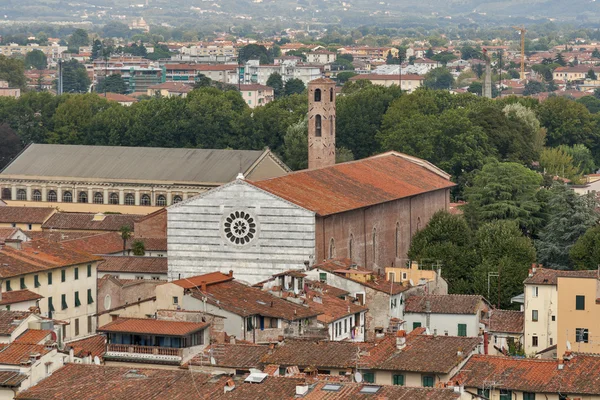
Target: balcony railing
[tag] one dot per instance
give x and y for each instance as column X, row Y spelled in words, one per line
column 153, row 350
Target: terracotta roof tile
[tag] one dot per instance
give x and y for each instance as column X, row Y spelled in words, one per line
column 357, row 184
column 325, row 288
column 15, row 353
column 152, row 326
column 111, row 243
column 245, row 301
column 546, row 276
column 352, row 391
column 444, row 304
column 94, row 346
column 85, row 221
column 175, row 87
column 25, row 215
column 153, row 265
column 40, row 255
column 58, row 236
column 428, row 353
column 6, row 320
column 121, row 98
column 508, row 321
column 34, row 336
column 195, row 282
column 272, row 388
column 6, row 233
column 18, row 296
column 241, row 356
column 11, row 378
column 331, row 308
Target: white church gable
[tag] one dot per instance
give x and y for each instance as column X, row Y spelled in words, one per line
column 238, row 227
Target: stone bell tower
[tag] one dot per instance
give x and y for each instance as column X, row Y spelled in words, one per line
column 321, row 123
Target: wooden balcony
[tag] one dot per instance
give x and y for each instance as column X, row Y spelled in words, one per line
column 150, row 350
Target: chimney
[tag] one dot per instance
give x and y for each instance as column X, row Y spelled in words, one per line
column 401, row 339
column 14, row 243
column 232, row 339
column 230, row 274
column 203, row 286
column 229, row 386
column 301, row 390
column 427, row 305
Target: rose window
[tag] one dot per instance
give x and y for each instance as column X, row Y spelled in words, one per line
column 239, row 227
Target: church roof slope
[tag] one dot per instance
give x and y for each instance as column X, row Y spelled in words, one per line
column 357, row 184
column 132, row 163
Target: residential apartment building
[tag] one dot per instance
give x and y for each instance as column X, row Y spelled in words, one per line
column 26, row 219
column 410, row 83
column 207, row 52
column 450, row 314
column 188, row 72
column 578, row 328
column 255, row 73
column 576, row 73
column 52, row 51
column 170, row 89
column 504, row 331
column 321, row 57
column 368, row 53
column 257, row 95
column 65, row 278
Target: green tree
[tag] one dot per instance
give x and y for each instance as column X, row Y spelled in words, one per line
column 439, row 78
column 582, row 158
column 446, row 242
column 293, row 86
column 429, row 53
column 97, row 48
column 359, row 117
column 585, row 253
column 592, row 103
column 254, row 52
column 569, row 217
column 36, row 59
column 559, row 59
column 126, row 234
column 557, row 162
column 504, row 191
column 343, row 77
column 78, row 38
column 468, row 52
column 12, row 70
column 534, row 87
column 295, row 148
column 73, row 117
column 475, row 88
column 10, row 144
column 503, row 249
column 138, row 248
column 596, row 53
column 591, row 75
column 113, row 84
column 75, row 77
column 276, row 82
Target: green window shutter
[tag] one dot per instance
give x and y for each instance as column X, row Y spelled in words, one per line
column 22, row 280
column 462, row 329
column 416, row 325
column 90, row 298
column 528, row 396
column 8, row 288
column 89, row 270
column 63, row 301
column 77, row 302
column 76, row 273
column 428, row 381
column 36, row 281
column 50, row 305
column 49, row 278
column 323, row 276
column 63, row 275
column 580, row 302
column 399, row 380
column 369, row 377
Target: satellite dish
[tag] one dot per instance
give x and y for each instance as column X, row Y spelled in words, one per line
column 213, row 361
column 96, row 360
column 358, row 377
column 568, row 345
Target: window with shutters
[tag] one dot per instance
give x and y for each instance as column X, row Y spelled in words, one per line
column 428, row 381
column 89, row 296
column 462, row 329
column 369, row 377
column 89, row 270
column 581, row 335
column 36, row 281
column 580, row 302
column 63, row 275
column 528, row 396
column 77, row 302
column 22, row 283
column 399, row 380
column 49, row 278
column 416, row 325
column 76, row 273
column 534, row 315
column 8, row 288
column 63, row 301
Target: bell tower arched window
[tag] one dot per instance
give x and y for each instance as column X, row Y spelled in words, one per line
column 318, row 125
column 331, row 94
column 317, row 94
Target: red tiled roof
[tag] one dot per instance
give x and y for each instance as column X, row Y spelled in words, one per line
column 15, row 353
column 507, row 321
column 175, row 87
column 241, row 356
column 95, row 346
column 85, row 221
column 34, row 336
column 18, row 296
column 120, row 98
column 244, row 300
column 197, row 281
column 546, row 276
column 111, row 243
column 250, row 88
column 201, row 67
column 325, row 288
column 56, row 236
column 11, row 378
column 25, row 215
column 444, row 304
column 8, row 317
column 353, row 391
column 6, row 233
column 40, row 255
column 331, row 308
column 152, row 326
column 153, row 265
column 357, row 184
column 432, row 354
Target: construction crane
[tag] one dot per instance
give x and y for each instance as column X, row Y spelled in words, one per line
column 522, row 30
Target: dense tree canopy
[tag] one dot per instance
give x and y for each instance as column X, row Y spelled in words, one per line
column 12, row 70
column 36, row 59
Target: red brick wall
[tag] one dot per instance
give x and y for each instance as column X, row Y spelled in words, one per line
column 152, row 226
column 409, row 215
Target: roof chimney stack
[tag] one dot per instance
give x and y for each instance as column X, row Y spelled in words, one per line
column 203, row 286
column 401, row 339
